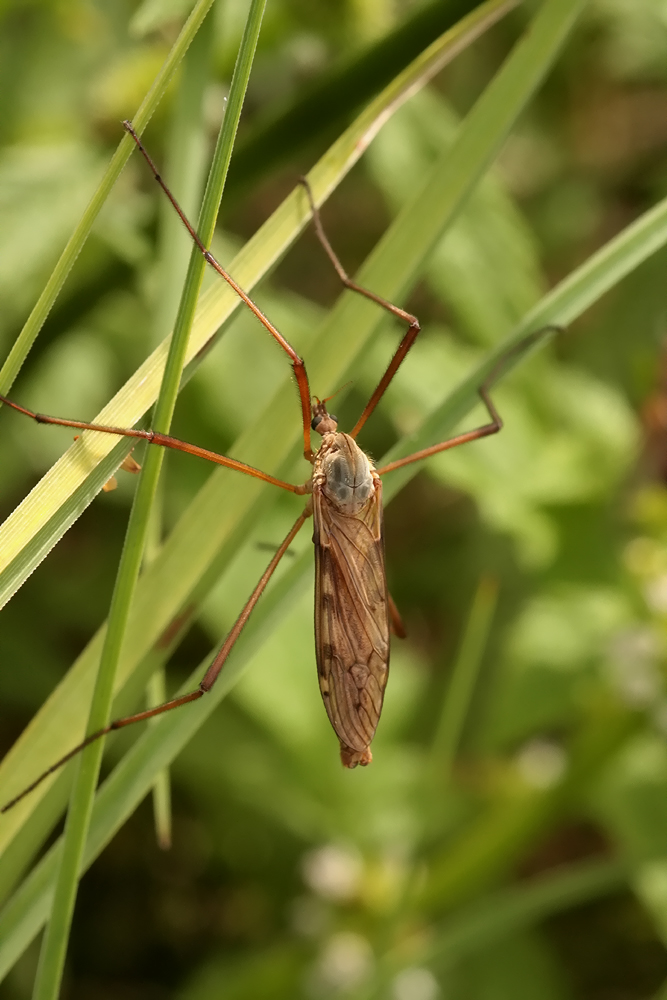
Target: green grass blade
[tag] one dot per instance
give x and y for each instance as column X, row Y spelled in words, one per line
column 156, row 694
column 334, row 96
column 32, row 530
column 464, row 676
column 512, row 909
column 42, row 308
column 54, row 946
column 184, row 163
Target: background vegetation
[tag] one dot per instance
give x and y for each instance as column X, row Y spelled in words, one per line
column 510, row 838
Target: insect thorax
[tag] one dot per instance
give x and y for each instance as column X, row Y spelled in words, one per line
column 344, row 473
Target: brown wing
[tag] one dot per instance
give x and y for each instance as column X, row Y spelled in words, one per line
column 351, row 621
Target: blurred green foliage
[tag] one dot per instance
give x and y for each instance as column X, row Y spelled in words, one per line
column 537, row 866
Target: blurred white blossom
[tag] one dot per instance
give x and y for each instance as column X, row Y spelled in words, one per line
column 633, row 653
column 415, row 983
column 541, row 763
column 345, row 962
column 333, row 872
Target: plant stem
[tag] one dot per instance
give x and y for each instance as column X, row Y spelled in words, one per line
column 184, row 165
column 54, row 946
column 464, row 675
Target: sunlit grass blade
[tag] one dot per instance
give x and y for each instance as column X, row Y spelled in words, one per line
column 156, row 694
column 54, row 945
column 35, row 321
column 228, row 505
column 331, row 100
column 65, row 491
column 184, row 163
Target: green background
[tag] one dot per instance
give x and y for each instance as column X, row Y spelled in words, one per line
column 534, row 863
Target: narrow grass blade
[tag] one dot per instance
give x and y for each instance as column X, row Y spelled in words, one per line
column 184, row 167
column 464, row 676
column 520, row 906
column 337, row 93
column 54, row 946
column 156, row 692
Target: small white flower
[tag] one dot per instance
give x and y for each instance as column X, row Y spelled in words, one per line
column 333, row 872
column 346, row 961
column 655, row 593
column 541, row 763
column 415, row 983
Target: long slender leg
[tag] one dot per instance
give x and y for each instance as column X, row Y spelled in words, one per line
column 485, row 430
column 165, row 441
column 208, row 681
column 396, row 622
column 412, row 321
column 298, row 366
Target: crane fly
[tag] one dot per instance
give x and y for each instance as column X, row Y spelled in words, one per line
column 354, row 612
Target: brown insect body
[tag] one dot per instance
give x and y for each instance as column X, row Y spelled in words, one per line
column 352, row 616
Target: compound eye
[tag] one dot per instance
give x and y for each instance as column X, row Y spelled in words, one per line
column 315, row 422
column 333, row 417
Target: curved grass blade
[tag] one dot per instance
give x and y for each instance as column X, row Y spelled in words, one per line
column 331, row 100
column 32, row 530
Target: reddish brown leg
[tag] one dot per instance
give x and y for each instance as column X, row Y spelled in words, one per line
column 208, row 681
column 396, row 622
column 496, row 423
column 165, row 441
column 412, row 321
column 298, row 366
